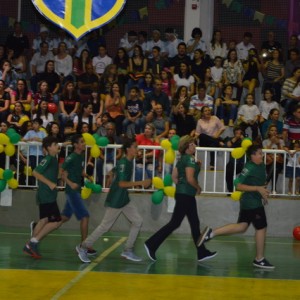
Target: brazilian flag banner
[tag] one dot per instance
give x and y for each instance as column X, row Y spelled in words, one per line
column 79, row 17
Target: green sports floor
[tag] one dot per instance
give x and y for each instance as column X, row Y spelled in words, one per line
column 176, row 274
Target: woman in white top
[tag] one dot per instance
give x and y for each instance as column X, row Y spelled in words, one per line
column 43, row 113
column 248, row 116
column 184, row 78
column 266, row 105
column 63, row 63
column 217, row 47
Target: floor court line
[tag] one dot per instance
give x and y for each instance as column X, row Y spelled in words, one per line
column 88, row 269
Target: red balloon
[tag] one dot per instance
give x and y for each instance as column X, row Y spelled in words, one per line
column 52, row 108
column 296, row 233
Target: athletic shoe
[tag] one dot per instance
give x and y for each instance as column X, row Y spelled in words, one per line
column 206, row 255
column 150, row 253
column 27, row 250
column 32, row 250
column 130, row 255
column 91, row 252
column 205, row 236
column 82, row 254
column 263, row 264
column 32, row 226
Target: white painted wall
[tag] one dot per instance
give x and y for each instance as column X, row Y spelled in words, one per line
column 202, row 16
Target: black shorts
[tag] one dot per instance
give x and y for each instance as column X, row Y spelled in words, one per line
column 50, row 211
column 255, row 216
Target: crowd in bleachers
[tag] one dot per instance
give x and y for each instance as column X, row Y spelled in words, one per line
column 151, row 86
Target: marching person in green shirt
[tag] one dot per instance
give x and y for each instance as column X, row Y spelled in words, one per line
column 185, row 176
column 46, row 173
column 117, row 202
column 72, row 173
column 252, row 182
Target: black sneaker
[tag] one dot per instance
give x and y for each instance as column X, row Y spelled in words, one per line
column 205, row 236
column 91, row 252
column 263, row 264
column 206, row 255
column 32, row 226
column 150, row 253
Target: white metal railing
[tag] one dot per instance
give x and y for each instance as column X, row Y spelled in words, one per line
column 212, row 182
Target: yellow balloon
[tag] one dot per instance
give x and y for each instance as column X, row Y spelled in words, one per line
column 23, row 119
column 236, row 196
column 95, row 151
column 246, row 143
column 158, row 183
column 12, row 107
column 170, row 191
column 1, row 173
column 170, row 156
column 27, row 107
column 28, row 171
column 43, row 129
column 89, row 139
column 10, row 149
column 85, row 193
column 238, row 152
column 13, row 183
column 1, row 148
column 166, row 144
column 4, row 139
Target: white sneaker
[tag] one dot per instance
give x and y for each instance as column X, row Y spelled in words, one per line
column 82, row 254
column 130, row 255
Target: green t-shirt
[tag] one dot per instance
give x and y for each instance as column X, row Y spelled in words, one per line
column 48, row 167
column 183, row 187
column 118, row 197
column 74, row 166
column 254, row 175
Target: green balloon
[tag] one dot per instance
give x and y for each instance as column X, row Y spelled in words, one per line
column 14, row 138
column 175, row 144
column 103, row 141
column 88, row 184
column 2, row 185
column 168, row 180
column 97, row 188
column 8, row 174
column 10, row 131
column 175, row 138
column 157, row 197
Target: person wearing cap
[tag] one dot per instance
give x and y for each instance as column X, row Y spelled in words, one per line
column 43, row 37
column 171, row 42
column 129, row 41
column 155, row 41
column 185, row 176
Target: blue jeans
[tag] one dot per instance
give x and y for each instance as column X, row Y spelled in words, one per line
column 227, row 112
column 139, row 168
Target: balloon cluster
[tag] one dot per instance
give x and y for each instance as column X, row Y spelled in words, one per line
column 238, row 153
column 170, row 146
column 90, row 187
column 7, row 177
column 8, row 140
column 95, row 141
column 164, row 188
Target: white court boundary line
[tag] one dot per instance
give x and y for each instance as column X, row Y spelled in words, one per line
column 88, row 269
